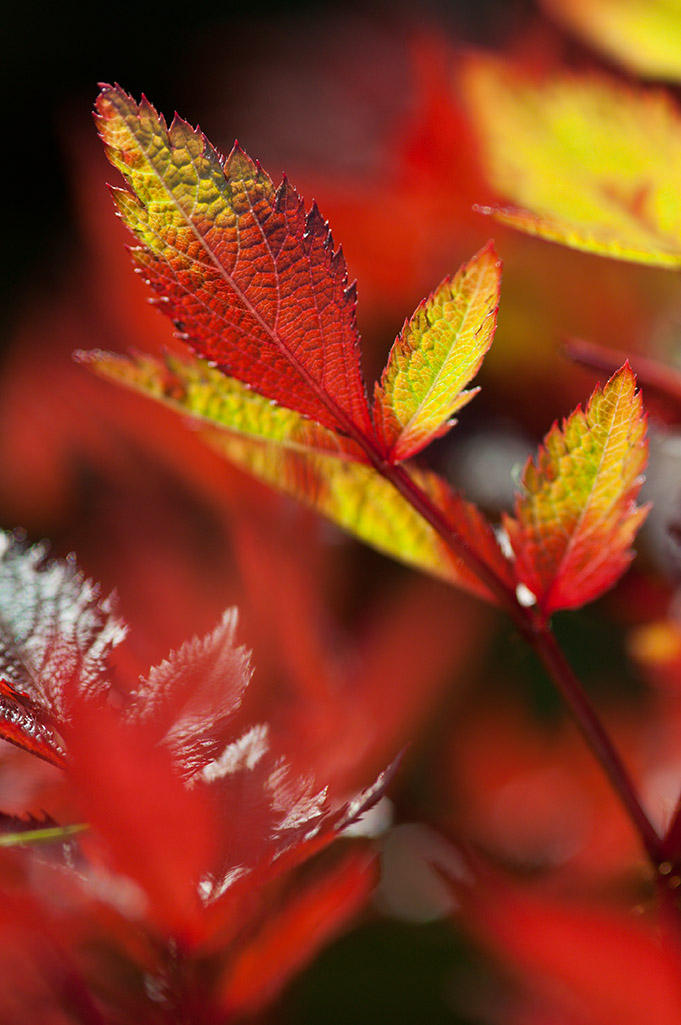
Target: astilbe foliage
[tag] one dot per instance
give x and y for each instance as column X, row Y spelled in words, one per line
column 196, row 826
column 213, row 236
column 200, row 820
column 229, row 256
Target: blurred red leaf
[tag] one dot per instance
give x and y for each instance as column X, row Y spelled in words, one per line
column 148, row 825
column 292, row 936
column 595, row 967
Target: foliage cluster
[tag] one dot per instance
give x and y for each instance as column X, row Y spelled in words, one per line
column 211, row 824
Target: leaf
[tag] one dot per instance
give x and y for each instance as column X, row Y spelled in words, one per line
column 190, row 698
column 220, row 810
column 576, row 518
column 146, row 824
column 56, row 633
column 191, row 386
column 361, row 501
column 251, row 280
column 587, row 161
column 274, row 818
column 244, row 269
column 585, row 963
column 437, row 353
column 290, row 937
column 642, row 35
column 354, row 496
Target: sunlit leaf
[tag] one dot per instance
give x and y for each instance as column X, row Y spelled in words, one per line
column 587, row 161
column 262, row 296
column 56, row 633
column 642, row 35
column 362, row 502
column 191, row 386
column 435, row 356
column 251, row 280
column 576, row 517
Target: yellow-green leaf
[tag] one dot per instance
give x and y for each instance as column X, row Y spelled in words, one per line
column 435, row 356
column 576, row 518
column 191, row 386
column 360, row 500
column 585, row 160
column 642, row 35
column 314, row 464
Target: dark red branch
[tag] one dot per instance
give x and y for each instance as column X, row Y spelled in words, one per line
column 539, row 635
column 657, row 378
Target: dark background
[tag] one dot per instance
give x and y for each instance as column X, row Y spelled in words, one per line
column 54, row 55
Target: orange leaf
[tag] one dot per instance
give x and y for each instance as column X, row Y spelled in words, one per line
column 576, row 518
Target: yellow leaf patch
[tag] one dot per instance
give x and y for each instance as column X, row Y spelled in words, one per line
column 585, row 160
column 435, row 356
column 642, row 35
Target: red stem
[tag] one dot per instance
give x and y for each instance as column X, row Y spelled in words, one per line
column 536, row 631
column 539, row 635
column 546, row 647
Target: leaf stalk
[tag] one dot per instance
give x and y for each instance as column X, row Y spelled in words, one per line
column 538, row 634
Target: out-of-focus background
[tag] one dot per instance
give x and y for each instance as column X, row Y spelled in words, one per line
column 363, row 106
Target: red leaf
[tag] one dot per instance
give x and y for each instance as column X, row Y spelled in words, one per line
column 56, row 633
column 292, row 937
column 188, row 700
column 146, row 823
column 601, row 967
column 253, row 281
column 187, row 804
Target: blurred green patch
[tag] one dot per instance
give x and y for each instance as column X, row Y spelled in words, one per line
column 388, row 971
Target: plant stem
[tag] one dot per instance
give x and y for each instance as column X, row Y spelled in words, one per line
column 423, row 504
column 540, row 637
column 546, row 647
column 535, row 630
